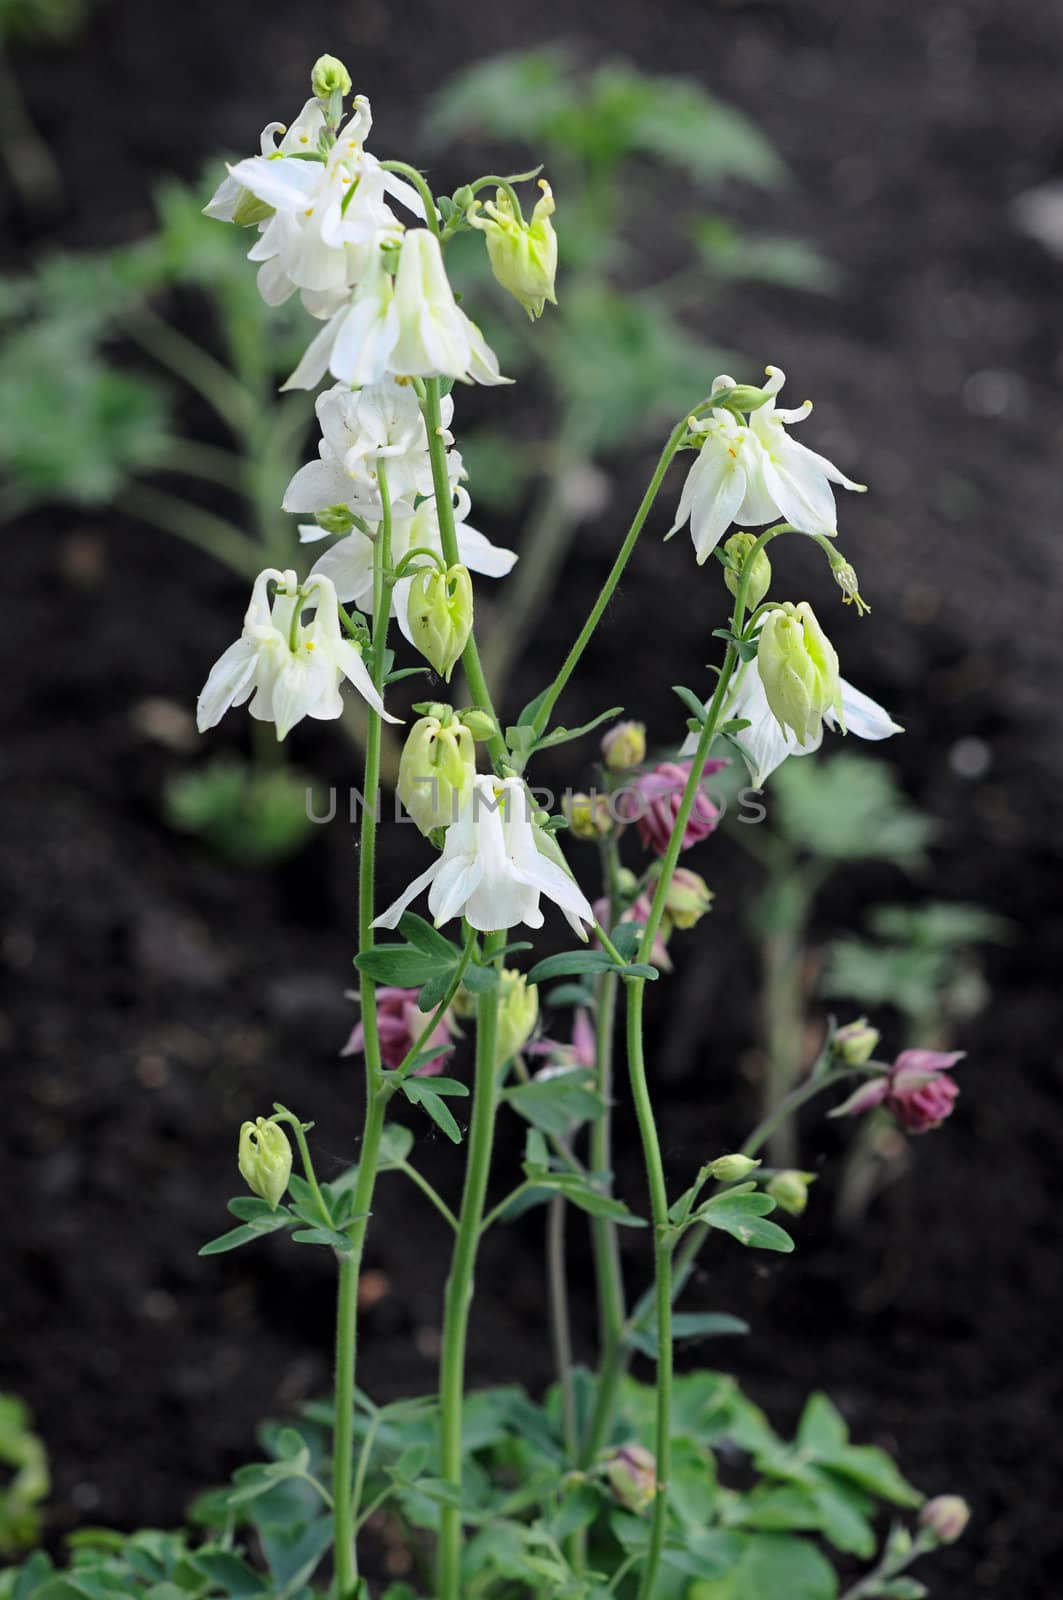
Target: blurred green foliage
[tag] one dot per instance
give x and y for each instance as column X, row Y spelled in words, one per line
column 250, row 814
column 29, row 1483
column 40, row 19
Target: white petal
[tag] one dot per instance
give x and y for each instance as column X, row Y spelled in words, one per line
column 286, row 185
column 348, row 659
column 801, row 492
column 315, row 486
column 390, row 917
column 312, row 368
column 457, row 881
column 480, row 555
column 228, row 684
column 349, row 565
column 717, row 486
column 864, row 716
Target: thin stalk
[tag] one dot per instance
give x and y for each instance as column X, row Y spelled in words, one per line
column 604, row 1234
column 571, row 661
column 448, row 539
column 377, row 1091
column 214, row 383
column 560, row 1321
column 460, row 1281
column 636, row 988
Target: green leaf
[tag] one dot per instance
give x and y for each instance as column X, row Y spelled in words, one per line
column 478, row 980
column 396, row 1142
column 327, row 1236
column 687, row 1325
column 872, row 1470
column 582, row 1194
column 229, row 1572
column 822, row 1426
column 695, row 704
column 294, row 1550
column 579, row 962
column 772, row 1567
column 745, row 1222
column 403, row 966
column 246, row 1233
column 557, row 1103
column 423, row 936
column 445, row 1086
column 565, row 735
column 418, row 1093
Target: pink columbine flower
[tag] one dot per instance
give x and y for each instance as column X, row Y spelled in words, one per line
column 917, row 1089
column 638, row 911
column 652, row 803
column 400, row 1021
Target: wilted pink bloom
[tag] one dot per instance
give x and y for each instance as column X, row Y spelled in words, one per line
column 652, row 803
column 917, row 1089
column 632, row 1473
column 637, row 911
column 400, row 1022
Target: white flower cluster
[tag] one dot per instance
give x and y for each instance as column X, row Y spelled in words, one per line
column 327, row 231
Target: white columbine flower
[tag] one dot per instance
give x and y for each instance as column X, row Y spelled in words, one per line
column 766, row 745
column 360, row 428
column 326, row 214
column 491, row 871
column 754, row 473
column 288, row 669
column 349, row 562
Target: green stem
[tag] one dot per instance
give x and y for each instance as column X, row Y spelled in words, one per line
column 636, row 988
column 571, row 661
column 430, row 1193
column 604, row 1233
column 560, row 1321
column 378, row 1092
column 419, row 182
column 460, row 1282
column 448, row 539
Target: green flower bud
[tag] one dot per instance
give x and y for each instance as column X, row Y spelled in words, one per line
column 523, row 255
column 745, row 397
column 624, row 746
column 789, row 1190
column 518, row 1012
column 738, row 547
column 632, row 1473
column 330, row 77
column 335, row 519
column 479, row 723
column 687, row 900
column 732, row 1168
column 265, row 1159
column 627, row 883
column 855, row 1042
column 588, row 815
column 798, row 669
column 440, row 615
column 436, row 770
column 945, row 1517
column 249, row 210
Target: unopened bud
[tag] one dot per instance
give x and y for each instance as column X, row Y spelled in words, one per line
column 946, row 1517
column 732, row 1168
column 744, row 397
column 436, row 770
column 523, row 255
column 265, row 1159
column 439, row 613
column 798, row 669
column 588, row 815
column 518, row 1012
column 739, row 548
column 624, row 746
column 335, row 519
column 790, row 1190
column 330, row 77
column 687, row 900
column 479, row 723
column 632, row 1473
column 627, row 883
column 855, row 1042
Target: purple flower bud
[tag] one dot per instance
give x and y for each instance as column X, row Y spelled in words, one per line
column 400, row 1021
column 917, row 1089
column 946, row 1517
column 652, row 803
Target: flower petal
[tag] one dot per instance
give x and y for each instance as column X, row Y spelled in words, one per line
column 390, row 917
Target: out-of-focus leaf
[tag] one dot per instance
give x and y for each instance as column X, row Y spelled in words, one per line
column 734, row 256
column 244, row 812
column 848, row 808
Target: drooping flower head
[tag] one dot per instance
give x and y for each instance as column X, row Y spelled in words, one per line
column 400, row 1023
column 917, row 1089
column 523, row 255
column 653, row 799
column 287, row 668
column 798, row 667
column 493, row 871
column 752, row 473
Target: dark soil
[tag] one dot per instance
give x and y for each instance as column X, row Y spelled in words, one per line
column 157, row 996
